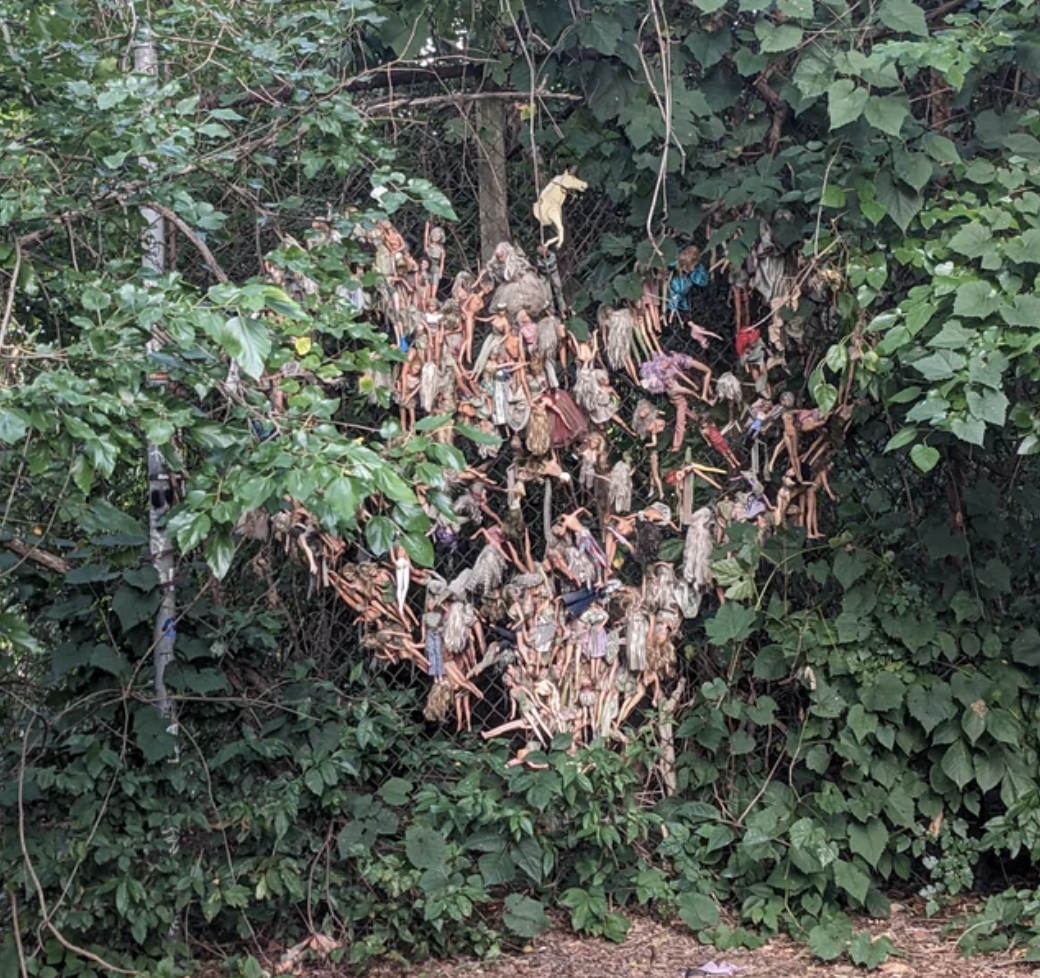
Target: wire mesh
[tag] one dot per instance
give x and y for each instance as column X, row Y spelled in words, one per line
column 450, row 165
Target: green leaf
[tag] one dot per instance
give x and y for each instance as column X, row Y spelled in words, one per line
column 246, row 340
column 709, row 6
column 930, row 706
column 1025, row 311
column 425, row 847
column 153, row 736
column 914, row 169
column 887, row 113
column 973, row 721
column 825, row 943
column 924, row 457
column 940, row 366
column 849, row 567
column 132, row 608
column 900, row 204
column 953, row 336
column 419, row 548
column 869, row 841
column 776, row 38
column 903, row 16
column 496, row 868
column 901, row 439
column 833, row 197
column 314, row 781
column 527, row 854
column 220, row 552
column 733, row 622
column 845, row 102
column 396, row 792
column 940, row 149
column 94, row 299
column 341, row 497
column 861, row 723
column 799, row 9
column 83, row 474
column 956, row 764
column 814, row 73
column 393, row 486
column 972, row 240
column 867, row 953
column 976, row 300
column 1004, row 726
column 379, row 534
column 698, row 911
column 477, row 436
column 189, row 528
column 524, row 916
column 1025, row 248
column 851, row 880
column 13, row 425
column 884, row 693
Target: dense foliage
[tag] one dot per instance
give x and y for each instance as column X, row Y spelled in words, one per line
column 865, row 708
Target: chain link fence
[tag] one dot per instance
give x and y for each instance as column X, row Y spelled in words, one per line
column 331, row 635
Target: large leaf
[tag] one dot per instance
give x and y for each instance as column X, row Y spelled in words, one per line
column 775, row 38
column 845, row 102
column 524, row 916
column 425, row 847
column 903, row 16
column 733, row 622
column 956, row 764
column 887, row 113
column 698, row 911
column 869, row 841
column 247, row 341
column 901, row 204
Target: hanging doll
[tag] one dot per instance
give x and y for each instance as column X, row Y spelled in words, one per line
column 794, row 422
column 592, row 388
column 648, row 308
column 617, row 328
column 520, row 287
column 700, row 538
column 636, row 632
column 729, row 390
column 710, row 431
column 469, row 294
column 433, row 627
column 549, row 268
column 594, row 456
column 769, row 277
column 761, row 415
column 663, row 374
column 489, row 568
column 619, row 493
column 688, row 274
column 647, row 424
column 433, row 245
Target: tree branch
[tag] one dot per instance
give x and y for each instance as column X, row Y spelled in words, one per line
column 200, row 245
column 35, row 555
column 461, row 98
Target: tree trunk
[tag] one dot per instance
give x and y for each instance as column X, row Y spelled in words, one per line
column 153, row 257
column 491, row 176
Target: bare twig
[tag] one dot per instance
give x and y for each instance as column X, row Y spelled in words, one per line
column 200, row 245
column 9, row 304
column 35, row 555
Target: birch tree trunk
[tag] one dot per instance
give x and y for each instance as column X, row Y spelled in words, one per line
column 153, row 257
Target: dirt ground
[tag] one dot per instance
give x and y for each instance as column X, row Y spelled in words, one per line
column 652, row 950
